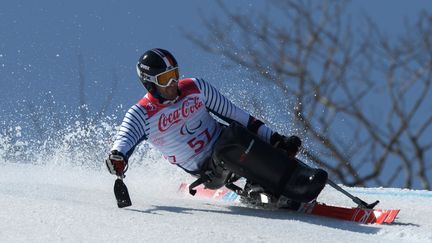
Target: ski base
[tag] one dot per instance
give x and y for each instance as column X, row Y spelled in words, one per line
column 359, row 215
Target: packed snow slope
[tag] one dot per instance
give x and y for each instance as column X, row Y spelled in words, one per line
column 42, row 203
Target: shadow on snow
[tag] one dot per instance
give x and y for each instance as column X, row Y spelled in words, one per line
column 267, row 214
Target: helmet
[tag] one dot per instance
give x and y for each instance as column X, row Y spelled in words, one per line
column 152, row 67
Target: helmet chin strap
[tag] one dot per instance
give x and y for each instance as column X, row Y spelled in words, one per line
column 166, row 101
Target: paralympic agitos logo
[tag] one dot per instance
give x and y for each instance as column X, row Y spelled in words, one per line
column 188, row 107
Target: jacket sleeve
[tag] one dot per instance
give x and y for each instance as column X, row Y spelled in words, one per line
column 223, row 108
column 133, row 130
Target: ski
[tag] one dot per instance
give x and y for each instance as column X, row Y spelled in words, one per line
column 359, row 215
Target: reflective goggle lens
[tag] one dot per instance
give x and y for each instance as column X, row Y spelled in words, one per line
column 164, row 79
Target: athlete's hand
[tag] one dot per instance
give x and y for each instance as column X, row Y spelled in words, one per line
column 290, row 144
column 116, row 164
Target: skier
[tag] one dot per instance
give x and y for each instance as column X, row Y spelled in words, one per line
column 175, row 117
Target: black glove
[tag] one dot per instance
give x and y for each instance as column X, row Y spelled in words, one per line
column 290, row 144
column 116, row 163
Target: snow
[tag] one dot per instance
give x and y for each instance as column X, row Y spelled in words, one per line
column 42, row 203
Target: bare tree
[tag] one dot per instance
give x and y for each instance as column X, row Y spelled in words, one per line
column 362, row 98
column 82, row 88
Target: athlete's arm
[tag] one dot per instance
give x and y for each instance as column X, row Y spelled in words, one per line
column 132, row 131
column 222, row 107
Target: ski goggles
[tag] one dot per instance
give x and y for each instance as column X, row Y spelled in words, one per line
column 163, row 79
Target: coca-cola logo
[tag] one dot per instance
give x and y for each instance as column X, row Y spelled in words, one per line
column 187, row 108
